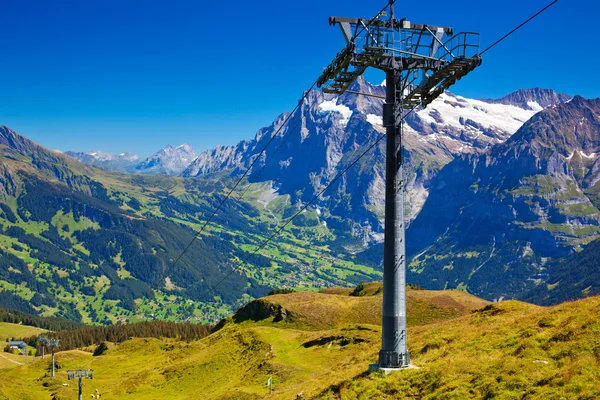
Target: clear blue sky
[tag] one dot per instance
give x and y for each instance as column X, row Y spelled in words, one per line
column 122, row 75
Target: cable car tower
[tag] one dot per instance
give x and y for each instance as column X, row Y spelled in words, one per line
column 420, row 62
column 80, row 374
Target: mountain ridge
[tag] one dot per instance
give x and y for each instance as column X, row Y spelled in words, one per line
column 519, row 98
column 64, row 224
column 543, row 98
column 170, row 160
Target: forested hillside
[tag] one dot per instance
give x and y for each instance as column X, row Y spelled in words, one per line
column 85, row 336
column 100, row 247
column 570, row 279
column 49, row 323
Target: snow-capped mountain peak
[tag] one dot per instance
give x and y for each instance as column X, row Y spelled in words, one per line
column 170, row 160
column 469, row 123
column 185, row 147
column 122, row 162
column 456, row 123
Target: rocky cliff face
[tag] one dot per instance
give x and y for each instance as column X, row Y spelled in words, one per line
column 493, row 219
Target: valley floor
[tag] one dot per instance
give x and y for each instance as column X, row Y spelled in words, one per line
column 322, row 344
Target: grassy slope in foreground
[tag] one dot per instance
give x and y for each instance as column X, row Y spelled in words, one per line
column 506, row 350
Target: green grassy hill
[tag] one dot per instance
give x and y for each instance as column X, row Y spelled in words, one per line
column 338, row 308
column 508, row 350
column 8, row 331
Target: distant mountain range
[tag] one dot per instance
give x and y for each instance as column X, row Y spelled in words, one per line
column 324, row 135
column 124, row 162
column 461, row 124
column 168, row 161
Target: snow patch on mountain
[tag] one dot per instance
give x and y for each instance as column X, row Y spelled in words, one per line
column 455, row 111
column 374, row 119
column 582, row 154
column 332, row 106
column 534, row 105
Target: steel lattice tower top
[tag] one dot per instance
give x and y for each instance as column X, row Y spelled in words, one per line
column 429, row 59
column 420, row 62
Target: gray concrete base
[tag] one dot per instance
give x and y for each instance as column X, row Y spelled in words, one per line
column 376, row 367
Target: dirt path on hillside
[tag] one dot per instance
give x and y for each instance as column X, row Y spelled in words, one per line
column 11, row 360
